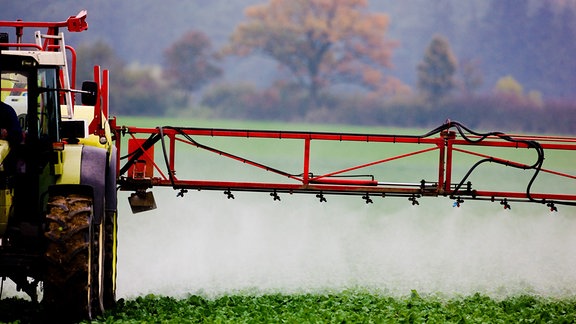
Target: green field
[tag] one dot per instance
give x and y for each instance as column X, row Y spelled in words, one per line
column 345, row 307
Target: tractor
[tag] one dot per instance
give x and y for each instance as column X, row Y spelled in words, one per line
column 57, row 181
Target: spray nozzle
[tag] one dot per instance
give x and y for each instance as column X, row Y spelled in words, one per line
column 413, row 200
column 505, row 204
column 229, row 194
column 457, row 202
column 275, row 195
column 367, row 198
column 321, row 197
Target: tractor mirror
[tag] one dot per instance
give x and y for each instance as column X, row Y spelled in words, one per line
column 89, row 93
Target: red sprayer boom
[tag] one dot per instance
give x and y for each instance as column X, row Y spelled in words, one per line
column 140, row 171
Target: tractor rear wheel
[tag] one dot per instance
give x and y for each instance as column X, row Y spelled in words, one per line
column 72, row 285
column 110, row 227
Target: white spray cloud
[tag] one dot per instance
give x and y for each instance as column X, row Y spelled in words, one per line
column 206, row 244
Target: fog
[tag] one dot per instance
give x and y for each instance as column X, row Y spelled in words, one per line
column 208, row 245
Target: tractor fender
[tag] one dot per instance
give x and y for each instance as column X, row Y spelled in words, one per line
column 93, row 173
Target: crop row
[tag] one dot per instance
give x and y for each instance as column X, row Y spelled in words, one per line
column 350, row 307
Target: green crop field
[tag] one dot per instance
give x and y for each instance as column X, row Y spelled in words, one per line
column 345, row 307
column 206, row 258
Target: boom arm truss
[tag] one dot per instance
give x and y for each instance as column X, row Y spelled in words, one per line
column 138, row 170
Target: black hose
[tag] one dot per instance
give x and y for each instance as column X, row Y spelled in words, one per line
column 536, row 166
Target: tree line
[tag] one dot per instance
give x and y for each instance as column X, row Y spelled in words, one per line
column 334, row 60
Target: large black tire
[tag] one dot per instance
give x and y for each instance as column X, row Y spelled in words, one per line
column 73, row 273
column 110, row 225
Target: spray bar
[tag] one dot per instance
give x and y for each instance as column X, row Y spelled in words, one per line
column 444, row 140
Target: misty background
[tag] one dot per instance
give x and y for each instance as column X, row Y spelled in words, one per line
column 516, row 58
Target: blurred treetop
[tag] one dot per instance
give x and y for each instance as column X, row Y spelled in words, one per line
column 319, row 42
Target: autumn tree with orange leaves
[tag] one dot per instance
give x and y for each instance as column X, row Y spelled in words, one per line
column 319, row 42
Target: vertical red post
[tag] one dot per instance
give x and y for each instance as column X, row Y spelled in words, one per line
column 72, row 71
column 105, row 93
column 172, row 137
column 96, row 124
column 306, row 175
column 449, row 140
column 441, row 163
column 449, row 152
